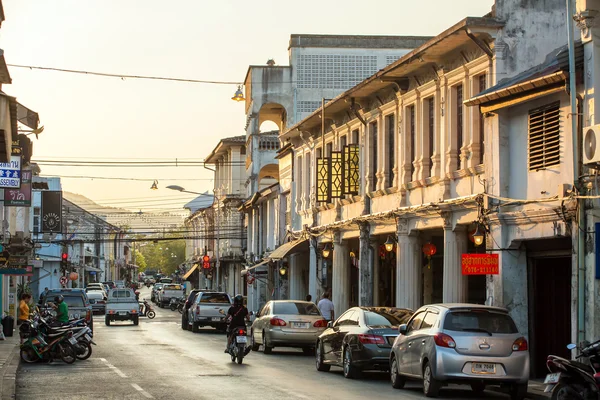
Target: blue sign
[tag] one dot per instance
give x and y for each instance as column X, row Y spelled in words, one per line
column 597, row 248
column 92, row 272
column 10, row 173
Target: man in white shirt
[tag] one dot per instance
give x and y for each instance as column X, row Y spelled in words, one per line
column 326, row 307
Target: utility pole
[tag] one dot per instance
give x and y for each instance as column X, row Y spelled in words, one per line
column 218, row 264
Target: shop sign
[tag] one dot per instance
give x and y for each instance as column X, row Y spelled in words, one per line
column 480, row 264
column 19, row 197
column 25, row 271
column 10, row 173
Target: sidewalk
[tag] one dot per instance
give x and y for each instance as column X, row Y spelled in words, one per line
column 9, row 362
column 535, row 392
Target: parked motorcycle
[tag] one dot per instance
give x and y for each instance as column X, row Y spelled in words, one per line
column 177, row 304
column 147, row 310
column 238, row 348
column 54, row 345
column 574, row 380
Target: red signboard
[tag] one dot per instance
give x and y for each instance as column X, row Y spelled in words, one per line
column 480, row 264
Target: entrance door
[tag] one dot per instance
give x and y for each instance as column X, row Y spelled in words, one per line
column 550, row 306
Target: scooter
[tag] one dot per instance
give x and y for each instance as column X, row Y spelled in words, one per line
column 238, row 348
column 574, row 380
column 148, row 310
column 60, row 345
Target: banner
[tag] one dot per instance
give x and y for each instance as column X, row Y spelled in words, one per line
column 480, row 264
column 19, row 197
column 51, row 212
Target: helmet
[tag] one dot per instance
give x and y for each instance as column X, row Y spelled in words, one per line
column 238, row 300
column 59, row 299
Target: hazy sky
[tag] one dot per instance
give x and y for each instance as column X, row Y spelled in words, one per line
column 110, row 118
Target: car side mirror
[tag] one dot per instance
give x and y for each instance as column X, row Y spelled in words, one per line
column 402, row 329
column 330, row 324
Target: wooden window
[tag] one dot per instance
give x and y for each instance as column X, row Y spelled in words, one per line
column 373, row 132
column 412, row 139
column 482, row 79
column 544, row 136
column 431, row 130
column 391, row 149
column 343, row 142
column 459, row 123
column 328, row 149
column 355, row 137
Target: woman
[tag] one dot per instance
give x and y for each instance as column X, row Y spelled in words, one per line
column 23, row 313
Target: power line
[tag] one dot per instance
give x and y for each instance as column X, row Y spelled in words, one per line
column 127, row 179
column 125, row 76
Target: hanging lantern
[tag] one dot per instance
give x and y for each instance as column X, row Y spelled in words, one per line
column 326, row 250
column 73, row 276
column 389, row 244
column 429, row 249
column 478, row 236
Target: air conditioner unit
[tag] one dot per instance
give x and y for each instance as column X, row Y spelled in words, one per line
column 591, row 145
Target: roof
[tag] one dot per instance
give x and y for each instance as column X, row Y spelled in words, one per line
column 468, row 31
column 357, row 41
column 553, row 70
column 254, row 198
column 222, row 145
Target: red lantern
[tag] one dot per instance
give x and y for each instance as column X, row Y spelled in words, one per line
column 73, row 276
column 429, row 249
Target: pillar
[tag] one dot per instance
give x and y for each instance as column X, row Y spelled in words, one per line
column 408, row 268
column 376, row 274
column 295, row 278
column 312, row 269
column 455, row 244
column 341, row 275
column 365, row 267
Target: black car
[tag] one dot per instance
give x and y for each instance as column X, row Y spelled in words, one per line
column 188, row 303
column 360, row 339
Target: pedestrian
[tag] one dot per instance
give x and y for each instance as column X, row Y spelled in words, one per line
column 44, row 294
column 23, row 313
column 326, row 307
column 308, row 297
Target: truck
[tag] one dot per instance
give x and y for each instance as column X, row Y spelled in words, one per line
column 122, row 305
column 169, row 291
column 209, row 309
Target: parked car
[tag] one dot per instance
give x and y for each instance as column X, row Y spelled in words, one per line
column 111, row 284
column 154, row 291
column 360, row 339
column 166, row 280
column 96, row 286
column 461, row 343
column 287, row 323
column 168, row 291
column 77, row 302
column 122, row 306
column 97, row 299
column 186, row 308
column 206, row 310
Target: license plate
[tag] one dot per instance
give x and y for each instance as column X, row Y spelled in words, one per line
column 216, row 318
column 300, row 325
column 483, row 368
column 241, row 339
column 72, row 341
column 87, row 337
column 122, row 312
column 552, row 378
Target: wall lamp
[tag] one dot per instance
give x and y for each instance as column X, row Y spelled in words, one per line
column 326, row 250
column 389, row 244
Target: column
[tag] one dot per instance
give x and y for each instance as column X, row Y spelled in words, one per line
column 312, row 269
column 455, row 244
column 295, row 278
column 376, row 274
column 408, row 268
column 341, row 275
column 365, row 267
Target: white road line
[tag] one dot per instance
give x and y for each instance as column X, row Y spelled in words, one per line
column 115, row 369
column 142, row 391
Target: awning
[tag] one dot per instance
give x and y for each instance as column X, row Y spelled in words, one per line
column 286, row 248
column 92, row 269
column 190, row 272
column 260, row 264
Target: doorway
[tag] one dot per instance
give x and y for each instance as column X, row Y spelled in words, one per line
column 549, row 310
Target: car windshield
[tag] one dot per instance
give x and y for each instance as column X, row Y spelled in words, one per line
column 373, row 318
column 74, row 301
column 158, row 286
column 480, row 321
column 220, row 298
column 295, row 308
column 121, row 293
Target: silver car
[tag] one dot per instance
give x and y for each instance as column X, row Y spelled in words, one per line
column 287, row 323
column 461, row 343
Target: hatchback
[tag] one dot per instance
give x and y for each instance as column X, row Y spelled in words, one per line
column 461, row 343
column 287, row 323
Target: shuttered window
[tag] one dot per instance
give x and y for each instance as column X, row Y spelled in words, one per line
column 544, row 137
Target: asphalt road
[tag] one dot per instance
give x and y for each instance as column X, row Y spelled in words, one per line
column 157, row 359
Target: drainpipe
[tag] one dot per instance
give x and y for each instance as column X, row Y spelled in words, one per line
column 580, row 205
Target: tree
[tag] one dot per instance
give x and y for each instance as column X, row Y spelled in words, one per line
column 140, row 260
column 165, row 255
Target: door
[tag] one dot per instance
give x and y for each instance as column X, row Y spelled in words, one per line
column 422, row 337
column 405, row 351
column 263, row 319
column 333, row 337
column 550, row 310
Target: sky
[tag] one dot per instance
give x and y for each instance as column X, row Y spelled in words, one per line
column 87, row 117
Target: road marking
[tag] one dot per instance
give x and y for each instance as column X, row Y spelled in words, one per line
column 115, row 369
column 142, row 391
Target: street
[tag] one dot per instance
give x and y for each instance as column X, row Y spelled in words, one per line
column 157, row 359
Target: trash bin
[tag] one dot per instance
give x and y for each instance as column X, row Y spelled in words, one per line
column 7, row 325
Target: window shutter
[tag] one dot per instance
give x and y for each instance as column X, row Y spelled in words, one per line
column 351, row 172
column 544, row 137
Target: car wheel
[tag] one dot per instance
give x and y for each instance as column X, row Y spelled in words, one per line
column 255, row 346
column 195, row 327
column 107, row 321
column 266, row 348
column 319, row 359
column 184, row 323
column 136, row 320
column 431, row 386
column 350, row 371
column 478, row 387
column 398, row 381
column 518, row 391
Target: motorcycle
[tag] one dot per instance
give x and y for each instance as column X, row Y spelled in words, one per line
column 35, row 348
column 148, row 311
column 177, row 304
column 238, row 348
column 147, row 284
column 571, row 379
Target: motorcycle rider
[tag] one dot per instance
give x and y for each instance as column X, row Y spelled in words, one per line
column 62, row 310
column 237, row 315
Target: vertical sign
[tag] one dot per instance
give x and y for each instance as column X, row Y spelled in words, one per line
column 19, row 197
column 51, row 211
column 10, row 172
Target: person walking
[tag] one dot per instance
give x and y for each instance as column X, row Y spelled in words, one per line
column 326, row 307
column 23, row 313
column 308, row 297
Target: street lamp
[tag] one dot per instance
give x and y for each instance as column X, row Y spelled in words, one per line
column 478, row 236
column 239, row 95
column 389, row 244
column 326, row 250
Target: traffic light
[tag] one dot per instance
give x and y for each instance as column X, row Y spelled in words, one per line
column 206, row 262
column 64, row 263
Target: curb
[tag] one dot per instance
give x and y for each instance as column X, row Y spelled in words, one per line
column 533, row 395
column 8, row 384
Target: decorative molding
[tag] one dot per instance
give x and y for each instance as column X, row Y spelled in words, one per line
column 402, row 226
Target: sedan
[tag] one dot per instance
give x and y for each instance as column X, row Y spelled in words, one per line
column 461, row 343
column 360, row 339
column 287, row 323
column 97, row 299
